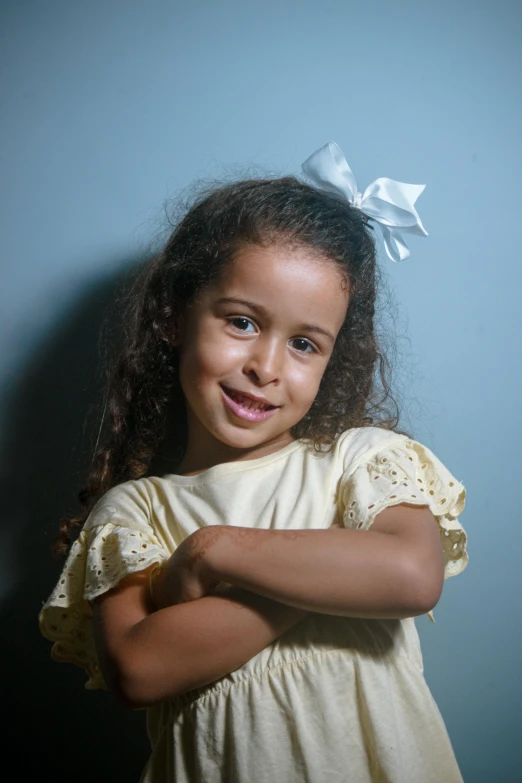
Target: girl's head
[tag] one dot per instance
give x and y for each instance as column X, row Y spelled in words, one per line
column 187, row 351
column 253, row 347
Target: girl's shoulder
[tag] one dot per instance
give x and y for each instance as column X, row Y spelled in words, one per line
column 360, row 444
column 380, row 468
column 380, row 451
column 131, row 500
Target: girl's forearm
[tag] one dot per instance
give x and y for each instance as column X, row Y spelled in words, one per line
column 182, row 647
column 337, row 571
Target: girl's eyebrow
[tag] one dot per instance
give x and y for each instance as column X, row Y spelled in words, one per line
column 257, row 308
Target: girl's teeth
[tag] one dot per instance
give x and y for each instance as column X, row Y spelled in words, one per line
column 251, row 405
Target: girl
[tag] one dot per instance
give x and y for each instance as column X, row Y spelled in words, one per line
column 258, row 599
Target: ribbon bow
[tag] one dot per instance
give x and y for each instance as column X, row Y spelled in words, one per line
column 388, row 202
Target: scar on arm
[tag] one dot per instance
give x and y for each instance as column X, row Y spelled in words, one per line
column 247, row 539
column 251, row 539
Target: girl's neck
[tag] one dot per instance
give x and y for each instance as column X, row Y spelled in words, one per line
column 197, row 460
column 205, row 451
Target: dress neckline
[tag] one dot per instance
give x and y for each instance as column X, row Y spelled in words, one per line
column 237, row 466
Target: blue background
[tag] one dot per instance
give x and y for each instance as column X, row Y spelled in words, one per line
column 111, row 108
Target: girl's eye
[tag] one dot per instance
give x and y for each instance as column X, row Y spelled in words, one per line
column 302, row 345
column 243, row 324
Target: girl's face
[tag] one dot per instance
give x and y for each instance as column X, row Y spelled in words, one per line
column 253, row 349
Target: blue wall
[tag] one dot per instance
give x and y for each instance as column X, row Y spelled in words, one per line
column 109, row 108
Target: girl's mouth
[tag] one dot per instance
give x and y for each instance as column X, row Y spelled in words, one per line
column 245, row 407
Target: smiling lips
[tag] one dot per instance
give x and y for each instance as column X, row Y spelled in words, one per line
column 245, row 407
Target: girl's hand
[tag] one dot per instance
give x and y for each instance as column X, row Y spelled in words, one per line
column 186, row 577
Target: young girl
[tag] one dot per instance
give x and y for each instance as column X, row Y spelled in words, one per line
column 258, row 599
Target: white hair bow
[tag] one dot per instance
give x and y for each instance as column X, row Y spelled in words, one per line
column 386, row 201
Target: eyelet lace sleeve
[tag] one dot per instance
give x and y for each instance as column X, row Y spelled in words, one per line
column 101, row 557
column 407, row 472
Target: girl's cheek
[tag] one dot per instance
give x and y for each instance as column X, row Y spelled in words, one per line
column 215, row 358
column 309, row 374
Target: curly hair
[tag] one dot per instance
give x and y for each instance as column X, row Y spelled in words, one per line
column 143, row 383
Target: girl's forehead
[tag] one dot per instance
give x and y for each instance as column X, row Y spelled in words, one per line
column 278, row 265
column 290, row 280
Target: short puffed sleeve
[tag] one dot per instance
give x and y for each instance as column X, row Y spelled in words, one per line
column 118, row 539
column 404, row 471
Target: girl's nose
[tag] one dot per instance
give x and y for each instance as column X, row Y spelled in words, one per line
column 264, row 362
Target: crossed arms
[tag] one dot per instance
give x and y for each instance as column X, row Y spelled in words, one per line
column 273, row 579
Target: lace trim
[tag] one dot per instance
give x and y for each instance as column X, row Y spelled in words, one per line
column 409, row 473
column 99, row 559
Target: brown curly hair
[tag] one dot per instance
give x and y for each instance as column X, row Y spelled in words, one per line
column 143, row 382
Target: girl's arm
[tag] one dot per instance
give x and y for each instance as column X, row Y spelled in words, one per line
column 393, row 570
column 149, row 656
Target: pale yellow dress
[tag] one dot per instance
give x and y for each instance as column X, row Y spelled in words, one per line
column 335, row 700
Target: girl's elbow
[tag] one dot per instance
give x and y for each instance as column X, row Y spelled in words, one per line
column 428, row 584
column 130, row 693
column 136, row 695
column 135, row 685
column 123, row 685
column 427, row 601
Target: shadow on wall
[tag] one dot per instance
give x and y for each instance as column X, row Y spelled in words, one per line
column 60, row 731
